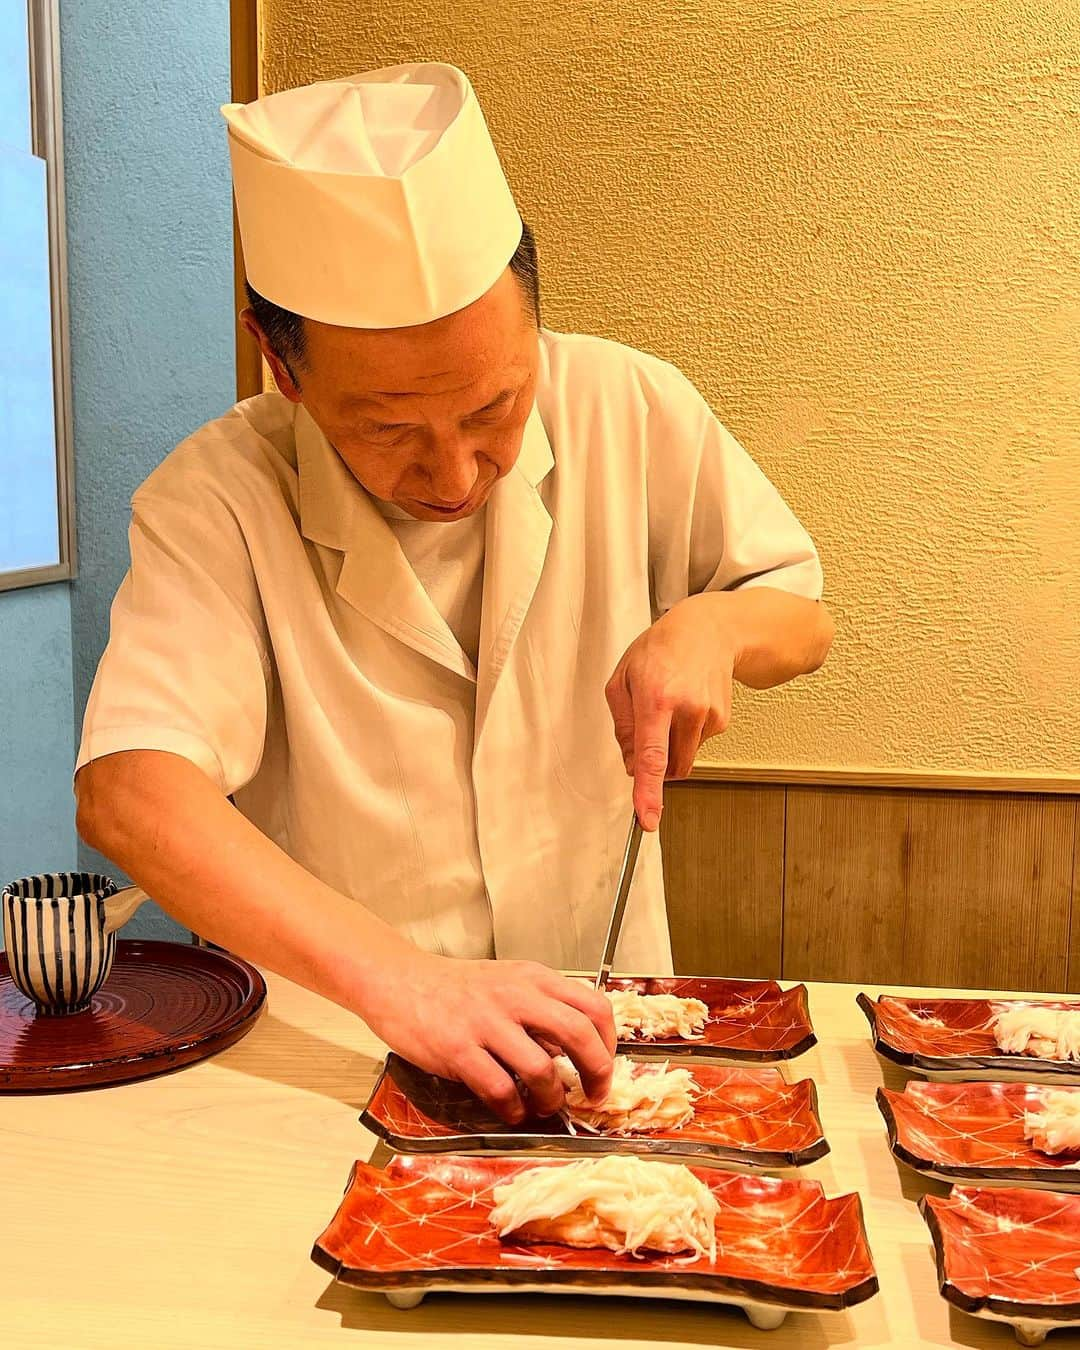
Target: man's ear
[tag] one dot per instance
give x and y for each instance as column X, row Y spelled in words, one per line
column 283, row 376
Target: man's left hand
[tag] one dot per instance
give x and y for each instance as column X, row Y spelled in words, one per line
column 670, row 692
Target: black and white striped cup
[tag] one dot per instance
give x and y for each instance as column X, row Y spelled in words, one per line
column 60, row 935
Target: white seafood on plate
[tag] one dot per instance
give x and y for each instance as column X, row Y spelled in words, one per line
column 655, row 1017
column 643, row 1098
column 621, row 1203
column 1054, row 1127
column 1044, row 1033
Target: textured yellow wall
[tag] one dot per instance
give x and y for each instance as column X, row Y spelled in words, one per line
column 857, row 228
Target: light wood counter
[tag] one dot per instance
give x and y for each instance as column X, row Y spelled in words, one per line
column 180, row 1212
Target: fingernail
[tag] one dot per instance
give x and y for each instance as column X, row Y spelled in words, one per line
column 652, row 819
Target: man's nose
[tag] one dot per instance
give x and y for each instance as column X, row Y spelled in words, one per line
column 452, row 471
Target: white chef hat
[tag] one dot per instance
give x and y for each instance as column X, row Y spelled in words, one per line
column 376, row 201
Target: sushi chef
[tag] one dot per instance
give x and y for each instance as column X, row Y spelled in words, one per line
column 401, row 641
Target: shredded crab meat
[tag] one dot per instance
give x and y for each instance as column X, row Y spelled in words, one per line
column 621, row 1203
column 1055, row 1126
column 653, row 1017
column 1046, row 1033
column 643, row 1098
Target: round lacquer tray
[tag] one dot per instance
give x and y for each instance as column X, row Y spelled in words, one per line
column 164, row 1005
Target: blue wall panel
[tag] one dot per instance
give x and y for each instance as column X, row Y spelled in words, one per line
column 150, row 294
column 37, row 828
column 149, row 210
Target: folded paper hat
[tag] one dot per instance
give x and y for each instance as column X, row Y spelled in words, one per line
column 376, row 201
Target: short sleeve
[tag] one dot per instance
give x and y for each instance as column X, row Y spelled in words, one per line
column 186, row 668
column 716, row 522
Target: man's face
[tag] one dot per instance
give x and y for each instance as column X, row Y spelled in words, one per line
column 428, row 417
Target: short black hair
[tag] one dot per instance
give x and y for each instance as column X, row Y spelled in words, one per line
column 285, row 330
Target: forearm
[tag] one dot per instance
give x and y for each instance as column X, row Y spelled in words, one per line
column 162, row 821
column 775, row 635
column 169, row 827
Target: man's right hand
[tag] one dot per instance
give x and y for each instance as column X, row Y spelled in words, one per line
column 491, row 1024
column 494, row 1026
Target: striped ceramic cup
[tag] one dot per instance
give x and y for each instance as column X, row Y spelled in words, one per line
column 60, row 935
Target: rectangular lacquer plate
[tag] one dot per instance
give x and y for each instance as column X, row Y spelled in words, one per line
column 422, row 1224
column 950, row 1038
column 1008, row 1253
column 745, row 1116
column 749, row 1020
column 973, row 1131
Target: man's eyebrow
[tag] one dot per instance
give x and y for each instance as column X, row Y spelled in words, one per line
column 500, row 397
column 368, row 400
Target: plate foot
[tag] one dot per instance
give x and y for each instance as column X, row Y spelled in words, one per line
column 1029, row 1333
column 766, row 1317
column 404, row 1298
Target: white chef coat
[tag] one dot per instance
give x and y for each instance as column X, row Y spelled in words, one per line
column 271, row 631
column 447, row 557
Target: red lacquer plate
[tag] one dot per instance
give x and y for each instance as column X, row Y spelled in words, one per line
column 749, row 1020
column 748, row 1116
column 164, row 1005
column 950, row 1038
column 422, row 1225
column 1010, row 1254
column 973, row 1131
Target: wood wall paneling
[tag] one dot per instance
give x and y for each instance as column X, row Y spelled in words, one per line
column 723, row 862
column 907, row 780
column 244, row 71
column 956, row 889
column 875, row 886
column 845, row 861
column 989, row 891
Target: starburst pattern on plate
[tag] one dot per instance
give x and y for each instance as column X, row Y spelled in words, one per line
column 955, row 1035
column 1009, row 1251
column 778, row 1240
column 752, row 1020
column 973, row 1130
column 746, row 1115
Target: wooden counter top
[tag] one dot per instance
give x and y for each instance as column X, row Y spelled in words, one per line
column 181, row 1211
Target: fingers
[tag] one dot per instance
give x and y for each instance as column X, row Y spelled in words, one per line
column 652, row 731
column 577, row 1038
column 533, row 1066
column 621, row 706
column 670, row 691
column 492, row 1084
column 687, row 732
column 595, row 1005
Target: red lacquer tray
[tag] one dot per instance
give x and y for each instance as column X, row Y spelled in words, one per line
column 423, row 1224
column 972, row 1131
column 1008, row 1253
column 165, row 1004
column 905, row 1030
column 749, row 1020
column 749, row 1116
